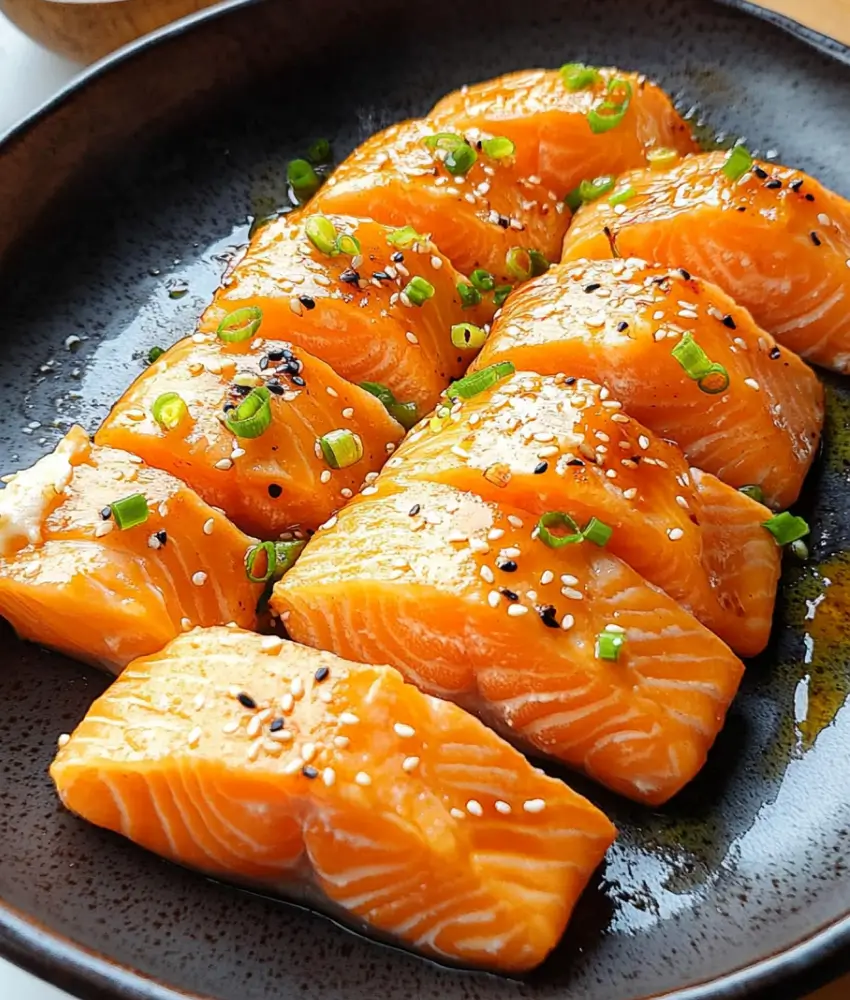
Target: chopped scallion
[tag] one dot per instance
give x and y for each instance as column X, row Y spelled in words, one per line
column 498, row 148
column 418, row 291
column 169, row 410
column 252, row 416
column 597, row 531
column 320, row 151
column 444, row 140
column 320, row 231
column 349, row 245
column 568, row 532
column 459, row 160
column 738, row 161
column 466, row 336
column 518, row 263
column 754, row 492
column 621, row 197
column 303, row 179
column 341, row 448
column 577, row 76
column 710, row 377
column 469, row 295
column 241, row 324
column 285, row 555
column 608, row 645
column 662, row 157
column 539, row 264
column 154, row 354
column 405, row 237
column 607, row 115
column 482, row 280
column 130, row 512
column 471, row 385
column 500, row 293
column 405, row 413
column 590, row 190
column 260, row 561
column 786, row 527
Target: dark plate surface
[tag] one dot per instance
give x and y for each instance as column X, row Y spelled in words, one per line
column 117, row 208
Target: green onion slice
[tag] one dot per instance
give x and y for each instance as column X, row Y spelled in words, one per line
column 469, row 296
column 539, row 264
column 405, row 238
column 130, row 512
column 154, row 354
column 608, row 645
column 471, row 385
column 662, row 157
column 341, row 448
column 459, row 161
column 589, row 191
column 577, row 76
column 303, row 179
column 621, row 197
column 557, row 520
column 169, row 410
column 418, row 290
column 467, row 336
column 444, row 140
column 258, row 556
column 320, row 151
column 711, row 378
column 320, row 231
column 754, row 492
column 405, row 413
column 786, row 527
column 737, row 162
column 518, row 263
column 241, row 324
column 499, row 147
column 285, row 555
column 349, row 245
column 597, row 531
column 482, row 280
column 500, row 293
column 252, row 416
column 612, row 110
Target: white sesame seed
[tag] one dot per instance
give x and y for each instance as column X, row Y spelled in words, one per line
column 199, row 701
column 325, row 477
column 674, row 534
column 502, row 807
column 478, row 545
column 326, row 697
column 411, row 337
column 436, row 262
column 682, row 502
column 254, row 725
column 237, row 453
column 515, row 610
column 573, row 595
column 457, row 814
column 209, row 524
column 224, row 464
column 658, row 314
column 254, row 749
column 154, row 542
column 103, row 529
column 185, row 624
column 493, row 598
column 403, row 730
column 410, row 764
column 348, row 412
column 494, row 534
column 330, row 523
column 568, row 580
column 63, row 740
column 534, row 805
column 531, row 595
column 296, row 307
column 619, row 418
column 643, row 441
column 615, row 628
column 751, row 382
column 514, row 520
column 199, row 578
column 486, row 574
column 349, row 719
column 281, row 735
column 369, row 491
column 341, row 742
column 567, row 622
column 296, row 686
column 823, row 219
column 293, row 766
column 547, row 576
column 362, row 779
column 308, row 752
column 331, row 391
column 611, row 473
column 474, row 808
column 630, row 493
column 230, row 727
column 511, row 553
column 329, row 777
column 287, row 703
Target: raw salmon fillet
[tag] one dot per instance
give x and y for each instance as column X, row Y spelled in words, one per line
column 549, row 123
column 291, row 770
column 349, row 310
column 617, row 322
column 279, row 480
column 556, row 443
column 474, row 218
column 775, row 239
column 457, row 593
column 71, row 579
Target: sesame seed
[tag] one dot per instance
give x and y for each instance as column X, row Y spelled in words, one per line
column 349, row 719
column 296, row 307
column 325, row 477
column 348, row 412
column 630, row 493
column 103, row 529
column 331, row 391
column 567, row 622
column 362, row 779
column 751, row 382
column 322, row 674
column 224, row 464
column 547, row 576
column 615, row 628
column 329, row 777
column 474, row 808
column 245, row 700
column 486, row 574
column 308, row 752
column 410, row 764
column 310, row 772
column 411, row 337
column 297, row 688
column 287, row 703
column 341, row 742
column 185, row 624
column 534, row 805
column 199, row 578
column 674, row 534
column 63, row 740
column 682, row 502
column 493, row 599
column 254, row 749
column 254, row 726
column 494, row 534
column 568, row 580
column 643, row 441
column 230, row 727
column 209, row 524
column 403, row 730
column 237, row 453
column 515, row 610
column 515, row 521
column 571, row 594
column 292, row 766
column 457, row 814
column 502, row 807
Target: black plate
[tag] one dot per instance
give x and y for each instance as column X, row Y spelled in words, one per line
column 129, row 190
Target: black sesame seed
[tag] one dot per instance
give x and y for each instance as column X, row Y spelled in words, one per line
column 540, row 468
column 504, row 222
column 307, row 301
column 511, row 596
column 622, row 325
column 741, row 208
column 245, row 700
column 575, row 461
column 297, row 380
column 815, row 239
column 760, row 172
column 162, row 537
column 275, row 387
column 571, row 380
column 275, row 354
column 773, row 185
column 322, row 674
column 277, row 725
column 774, row 353
column 795, row 185
column 106, row 513
column 548, row 615
column 729, row 321
column 229, row 406
column 810, row 197
column 637, row 459
column 275, row 490
column 240, row 390
column 286, row 353
column 309, row 771
column 264, row 362
column 592, row 286
column 507, row 566
column 381, row 275
column 414, row 510
column 685, row 274
column 397, row 257
column 350, row 276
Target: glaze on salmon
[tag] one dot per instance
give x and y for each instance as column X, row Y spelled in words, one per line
column 280, row 480
column 72, row 579
column 352, row 309
column 774, row 239
column 557, row 443
column 291, row 770
column 458, row 593
column 617, row 323
column 550, row 126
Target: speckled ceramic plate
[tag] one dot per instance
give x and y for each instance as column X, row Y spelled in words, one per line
column 119, row 205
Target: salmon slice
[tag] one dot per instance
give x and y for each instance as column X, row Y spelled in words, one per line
column 475, row 218
column 457, row 593
column 349, row 308
column 286, row 768
column 280, row 480
column 617, row 322
column 775, row 239
column 549, row 124
column 557, row 443
column 72, row 579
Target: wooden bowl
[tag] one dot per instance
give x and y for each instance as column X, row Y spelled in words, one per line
column 87, row 31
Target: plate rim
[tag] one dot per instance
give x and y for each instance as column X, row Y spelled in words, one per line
column 808, row 963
